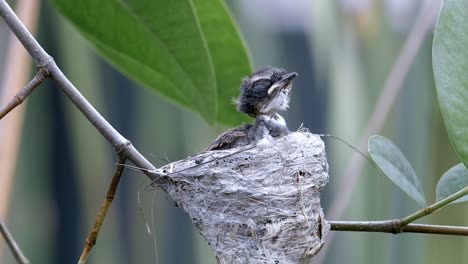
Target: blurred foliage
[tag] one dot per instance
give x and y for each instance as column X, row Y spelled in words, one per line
column 189, row 51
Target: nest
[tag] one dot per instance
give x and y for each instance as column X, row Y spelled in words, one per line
column 256, row 204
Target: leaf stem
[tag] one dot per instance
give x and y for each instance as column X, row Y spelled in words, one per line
column 434, row 207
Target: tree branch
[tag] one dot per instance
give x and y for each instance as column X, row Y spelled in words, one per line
column 40, row 76
column 48, row 68
column 17, row 253
column 396, row 227
column 404, row 225
column 122, row 146
column 92, row 237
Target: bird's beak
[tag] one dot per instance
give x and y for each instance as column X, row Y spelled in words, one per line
column 283, row 82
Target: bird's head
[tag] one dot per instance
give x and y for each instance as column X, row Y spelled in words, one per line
column 265, row 91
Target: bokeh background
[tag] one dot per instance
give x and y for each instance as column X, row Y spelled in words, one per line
column 344, row 52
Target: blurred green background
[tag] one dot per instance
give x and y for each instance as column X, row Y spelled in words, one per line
column 343, row 52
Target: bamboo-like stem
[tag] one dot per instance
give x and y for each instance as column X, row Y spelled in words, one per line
column 40, row 76
column 17, row 253
column 92, row 237
column 396, row 227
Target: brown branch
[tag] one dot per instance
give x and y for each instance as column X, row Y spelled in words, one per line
column 40, row 76
column 436, row 229
column 92, row 237
column 395, row 227
column 14, row 248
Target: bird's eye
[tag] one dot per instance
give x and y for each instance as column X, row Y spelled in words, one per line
column 261, row 86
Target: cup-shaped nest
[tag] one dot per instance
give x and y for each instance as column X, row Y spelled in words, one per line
column 256, row 204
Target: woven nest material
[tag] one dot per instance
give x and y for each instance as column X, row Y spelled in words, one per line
column 256, row 204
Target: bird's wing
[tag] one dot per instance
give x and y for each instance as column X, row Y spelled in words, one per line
column 231, row 138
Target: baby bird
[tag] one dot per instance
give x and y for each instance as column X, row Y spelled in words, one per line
column 262, row 95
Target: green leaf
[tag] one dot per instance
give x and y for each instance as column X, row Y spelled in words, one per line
column 394, row 164
column 187, row 50
column 453, row 181
column 450, row 63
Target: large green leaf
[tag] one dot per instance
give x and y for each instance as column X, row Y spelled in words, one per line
column 188, row 50
column 394, row 164
column 453, row 181
column 450, row 63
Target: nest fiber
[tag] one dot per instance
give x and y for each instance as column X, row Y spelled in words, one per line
column 256, row 204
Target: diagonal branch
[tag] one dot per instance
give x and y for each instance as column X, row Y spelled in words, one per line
column 17, row 253
column 122, row 146
column 40, row 76
column 92, row 237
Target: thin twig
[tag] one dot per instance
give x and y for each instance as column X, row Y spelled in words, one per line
column 434, row 207
column 385, row 102
column 122, row 146
column 40, row 76
column 92, row 237
column 395, row 227
column 14, row 248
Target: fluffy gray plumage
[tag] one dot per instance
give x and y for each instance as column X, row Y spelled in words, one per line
column 262, row 95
